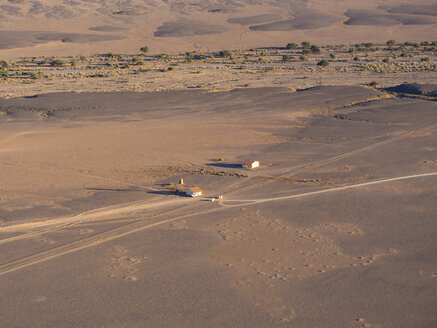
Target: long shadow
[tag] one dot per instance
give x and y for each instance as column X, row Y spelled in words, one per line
column 163, row 192
column 226, row 165
column 116, row 189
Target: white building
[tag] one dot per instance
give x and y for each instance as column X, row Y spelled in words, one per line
column 193, row 192
column 250, row 164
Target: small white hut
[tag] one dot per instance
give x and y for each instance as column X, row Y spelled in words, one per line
column 250, row 164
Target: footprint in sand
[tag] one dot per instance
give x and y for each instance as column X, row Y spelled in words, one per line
column 122, row 265
column 268, row 253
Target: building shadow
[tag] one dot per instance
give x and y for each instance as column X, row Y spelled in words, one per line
column 226, row 165
column 163, row 192
column 117, row 189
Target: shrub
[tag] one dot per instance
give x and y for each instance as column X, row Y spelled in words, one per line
column 137, row 60
column 144, row 49
column 424, row 59
column 35, row 76
column 305, row 44
column 291, row 45
column 286, row 58
column 56, row 62
column 374, row 84
column 391, row 43
column 171, row 68
column 306, row 51
column 3, row 64
column 332, row 55
column 356, row 58
column 225, row 53
column 315, row 49
column 302, row 57
column 386, row 60
column 323, row 62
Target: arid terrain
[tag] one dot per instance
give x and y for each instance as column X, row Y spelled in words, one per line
column 79, row 27
column 336, row 227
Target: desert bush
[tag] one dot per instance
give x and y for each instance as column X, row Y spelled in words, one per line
column 391, row 43
column 306, row 51
column 302, row 58
column 323, row 62
column 332, row 55
column 286, row 58
column 291, row 45
column 4, row 64
column 374, row 84
column 315, row 49
column 137, row 60
column 171, row 68
column 144, row 49
column 386, row 60
column 35, row 76
column 56, row 62
column 356, row 58
column 225, row 53
column 424, row 59
column 305, row 44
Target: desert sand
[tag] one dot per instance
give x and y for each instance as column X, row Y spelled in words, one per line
column 337, row 226
column 334, row 229
column 55, row 27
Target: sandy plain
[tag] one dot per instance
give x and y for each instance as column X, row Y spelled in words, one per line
column 91, row 235
column 336, row 228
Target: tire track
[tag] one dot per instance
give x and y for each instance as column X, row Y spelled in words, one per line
column 137, row 226
column 400, row 135
column 95, row 240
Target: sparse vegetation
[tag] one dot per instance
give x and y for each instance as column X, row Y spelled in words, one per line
column 291, row 45
column 323, row 62
column 315, row 49
column 144, row 49
column 56, row 62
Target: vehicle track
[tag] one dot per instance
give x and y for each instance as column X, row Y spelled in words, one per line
column 90, row 241
column 302, row 168
column 311, row 193
column 139, row 225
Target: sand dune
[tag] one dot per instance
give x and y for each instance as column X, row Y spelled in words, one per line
column 206, row 25
column 20, row 39
column 185, row 27
column 303, row 20
column 249, row 20
column 374, row 18
column 415, row 9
